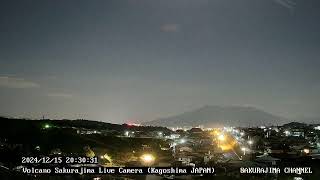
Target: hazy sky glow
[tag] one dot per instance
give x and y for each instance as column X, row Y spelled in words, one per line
column 120, row 60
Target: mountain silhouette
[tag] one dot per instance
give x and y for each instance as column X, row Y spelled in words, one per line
column 213, row 116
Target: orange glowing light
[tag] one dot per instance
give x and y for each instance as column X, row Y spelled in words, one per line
column 227, row 142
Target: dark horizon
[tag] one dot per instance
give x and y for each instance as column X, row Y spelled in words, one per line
column 304, row 120
column 128, row 61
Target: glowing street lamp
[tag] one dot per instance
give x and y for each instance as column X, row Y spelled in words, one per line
column 221, row 137
column 250, row 142
column 46, row 126
column 244, row 150
column 182, row 141
column 147, row 159
column 287, row 133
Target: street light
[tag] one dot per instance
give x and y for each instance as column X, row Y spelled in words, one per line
column 250, row 142
column 46, row 126
column 287, row 133
column 147, row 158
column 221, row 137
column 244, row 150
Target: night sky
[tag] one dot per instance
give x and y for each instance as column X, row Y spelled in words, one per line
column 127, row 60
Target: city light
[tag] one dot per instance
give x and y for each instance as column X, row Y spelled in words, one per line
column 182, row 141
column 147, row 158
column 287, row 133
column 47, row 126
column 244, row 150
column 250, row 142
column 225, row 142
column 221, row 137
column 307, row 151
column 215, row 132
column 107, row 157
